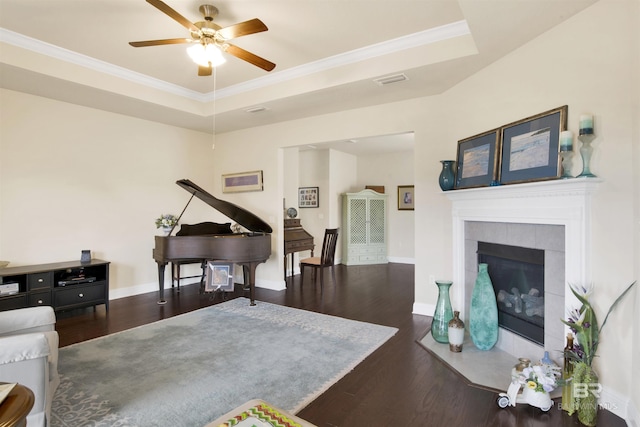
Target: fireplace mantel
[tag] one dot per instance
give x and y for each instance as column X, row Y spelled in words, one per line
column 565, row 202
column 578, row 189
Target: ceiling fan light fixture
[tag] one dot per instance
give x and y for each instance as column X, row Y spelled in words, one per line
column 205, row 54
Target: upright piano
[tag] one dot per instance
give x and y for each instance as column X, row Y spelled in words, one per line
column 296, row 239
column 247, row 249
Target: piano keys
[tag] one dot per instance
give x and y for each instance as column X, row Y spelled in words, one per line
column 246, row 249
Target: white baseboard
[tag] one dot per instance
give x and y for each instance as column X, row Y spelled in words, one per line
column 134, row 290
column 274, row 285
column 401, row 260
column 619, row 405
column 423, row 309
column 633, row 416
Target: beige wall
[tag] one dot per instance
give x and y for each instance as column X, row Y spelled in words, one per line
column 391, row 170
column 634, row 88
column 590, row 63
column 74, row 178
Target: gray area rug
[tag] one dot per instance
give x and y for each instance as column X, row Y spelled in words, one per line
column 190, row 369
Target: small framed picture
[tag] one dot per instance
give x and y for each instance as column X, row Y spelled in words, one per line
column 478, row 159
column 530, row 147
column 406, row 198
column 219, row 277
column 244, row 181
column 308, row 197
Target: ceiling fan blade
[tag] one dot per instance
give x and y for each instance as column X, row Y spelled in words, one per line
column 163, row 7
column 160, row 42
column 238, row 52
column 245, row 28
column 204, row 71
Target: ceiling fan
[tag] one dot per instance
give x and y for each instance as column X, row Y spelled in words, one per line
column 210, row 39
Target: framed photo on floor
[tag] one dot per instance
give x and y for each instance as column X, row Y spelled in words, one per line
column 219, row 276
column 478, row 160
column 530, row 147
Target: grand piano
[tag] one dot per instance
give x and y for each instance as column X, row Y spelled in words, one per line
column 246, row 249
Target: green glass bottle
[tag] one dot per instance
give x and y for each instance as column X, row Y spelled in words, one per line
column 442, row 314
column 567, row 374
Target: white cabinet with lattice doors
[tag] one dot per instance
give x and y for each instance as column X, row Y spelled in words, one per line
column 364, row 228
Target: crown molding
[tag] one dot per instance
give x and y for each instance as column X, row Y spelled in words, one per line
column 66, row 55
column 430, row 36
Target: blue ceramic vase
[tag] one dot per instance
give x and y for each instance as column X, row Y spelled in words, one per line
column 483, row 317
column 442, row 314
column 447, row 175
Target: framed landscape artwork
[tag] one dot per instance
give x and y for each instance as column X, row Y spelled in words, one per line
column 530, row 147
column 244, row 181
column 478, row 160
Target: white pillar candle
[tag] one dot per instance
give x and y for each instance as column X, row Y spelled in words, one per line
column 586, row 124
column 566, row 140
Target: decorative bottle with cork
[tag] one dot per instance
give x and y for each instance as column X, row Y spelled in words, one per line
column 567, row 374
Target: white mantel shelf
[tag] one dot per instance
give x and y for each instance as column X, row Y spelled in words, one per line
column 542, row 202
column 552, row 188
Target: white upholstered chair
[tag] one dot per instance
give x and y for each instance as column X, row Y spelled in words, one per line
column 29, row 356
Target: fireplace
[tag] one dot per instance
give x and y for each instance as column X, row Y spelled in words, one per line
column 517, row 275
column 552, row 216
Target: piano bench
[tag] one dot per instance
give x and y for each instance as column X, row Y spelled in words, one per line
column 175, row 271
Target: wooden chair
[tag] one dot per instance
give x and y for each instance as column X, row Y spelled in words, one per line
column 326, row 258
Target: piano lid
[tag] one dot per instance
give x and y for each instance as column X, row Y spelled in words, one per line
column 236, row 213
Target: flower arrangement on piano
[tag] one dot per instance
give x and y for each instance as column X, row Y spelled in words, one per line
column 166, row 221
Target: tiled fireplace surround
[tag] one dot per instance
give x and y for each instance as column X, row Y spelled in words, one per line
column 551, row 215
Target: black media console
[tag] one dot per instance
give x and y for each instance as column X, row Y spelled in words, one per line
column 62, row 285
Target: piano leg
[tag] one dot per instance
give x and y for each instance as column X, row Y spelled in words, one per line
column 161, row 267
column 249, row 274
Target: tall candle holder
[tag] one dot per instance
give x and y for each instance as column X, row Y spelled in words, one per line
column 585, row 151
column 566, row 164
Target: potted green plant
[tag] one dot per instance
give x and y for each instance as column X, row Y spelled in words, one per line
column 584, row 325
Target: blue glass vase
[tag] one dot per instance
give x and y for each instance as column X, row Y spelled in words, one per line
column 442, row 314
column 483, row 316
column 447, row 176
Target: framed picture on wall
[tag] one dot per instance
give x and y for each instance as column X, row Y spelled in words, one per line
column 478, row 159
column 406, row 198
column 530, row 147
column 244, row 181
column 308, row 197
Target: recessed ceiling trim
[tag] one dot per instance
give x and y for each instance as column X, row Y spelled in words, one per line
column 38, row 46
column 433, row 35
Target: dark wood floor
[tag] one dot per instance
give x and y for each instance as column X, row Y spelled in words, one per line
column 400, row 384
